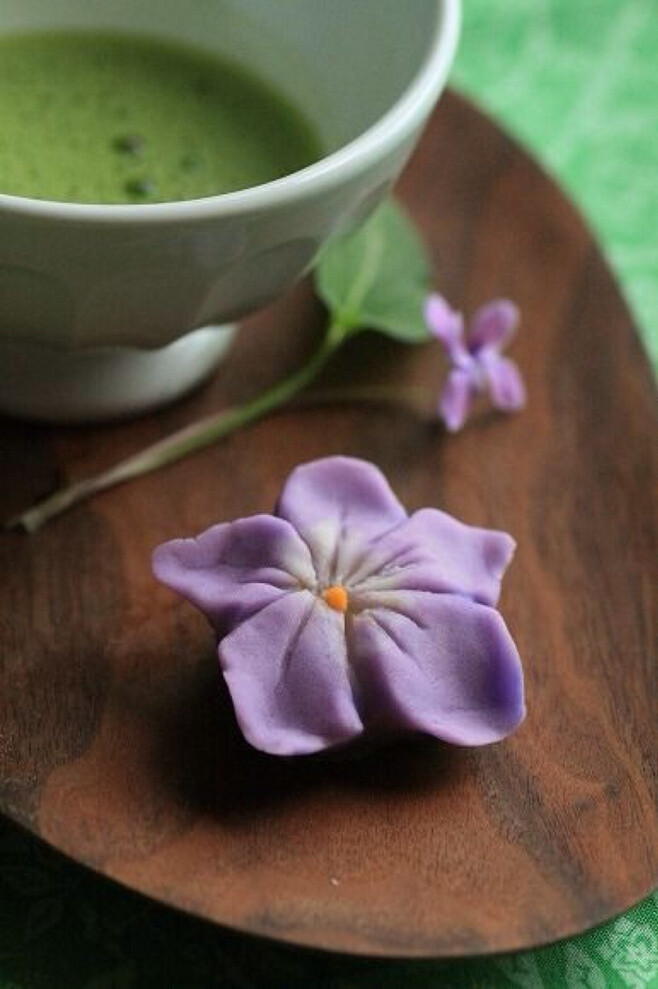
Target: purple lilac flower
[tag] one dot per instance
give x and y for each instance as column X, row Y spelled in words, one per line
column 477, row 364
column 341, row 614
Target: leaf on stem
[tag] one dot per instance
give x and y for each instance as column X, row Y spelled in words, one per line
column 378, row 277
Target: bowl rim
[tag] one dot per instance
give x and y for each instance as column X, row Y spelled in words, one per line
column 374, row 143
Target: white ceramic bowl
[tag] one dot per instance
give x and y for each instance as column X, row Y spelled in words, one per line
column 101, row 306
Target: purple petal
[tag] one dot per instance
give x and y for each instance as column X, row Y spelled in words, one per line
column 505, row 384
column 439, row 664
column 232, row 571
column 455, row 399
column 435, row 552
column 286, row 669
column 337, row 504
column 493, row 325
column 447, row 325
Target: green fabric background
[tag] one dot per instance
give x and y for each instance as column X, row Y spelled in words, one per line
column 577, row 81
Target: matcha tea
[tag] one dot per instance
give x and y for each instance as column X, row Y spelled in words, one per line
column 97, row 118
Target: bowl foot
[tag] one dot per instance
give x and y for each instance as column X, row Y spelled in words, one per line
column 41, row 382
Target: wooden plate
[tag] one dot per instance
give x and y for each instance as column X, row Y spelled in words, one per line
column 118, row 745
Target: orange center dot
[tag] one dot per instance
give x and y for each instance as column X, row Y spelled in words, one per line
column 336, row 597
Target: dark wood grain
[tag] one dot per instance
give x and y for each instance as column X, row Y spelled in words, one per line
column 118, row 744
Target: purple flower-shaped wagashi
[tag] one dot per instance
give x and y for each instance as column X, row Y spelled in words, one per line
column 341, row 614
column 477, row 363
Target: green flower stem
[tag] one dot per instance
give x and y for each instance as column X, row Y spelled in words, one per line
column 188, row 440
column 414, row 400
